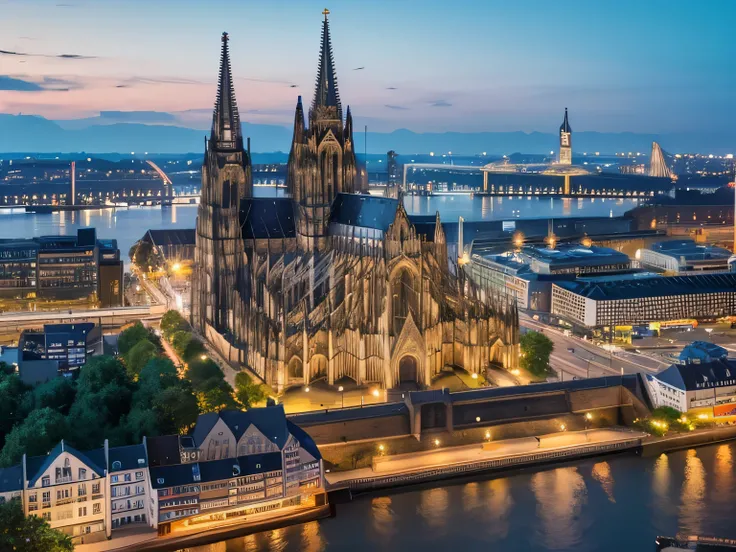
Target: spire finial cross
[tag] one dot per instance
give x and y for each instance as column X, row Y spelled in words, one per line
column 325, row 12
column 224, row 37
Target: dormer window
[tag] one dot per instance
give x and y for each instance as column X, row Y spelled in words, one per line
column 116, row 465
column 141, row 462
column 195, row 472
column 45, row 481
column 160, row 480
column 236, row 470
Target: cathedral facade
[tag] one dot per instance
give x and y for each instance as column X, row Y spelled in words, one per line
column 330, row 282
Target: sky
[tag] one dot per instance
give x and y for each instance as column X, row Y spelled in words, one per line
column 651, row 66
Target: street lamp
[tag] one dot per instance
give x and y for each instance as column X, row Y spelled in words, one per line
column 436, row 442
column 202, row 357
column 306, row 389
column 375, row 393
column 341, row 389
column 709, row 331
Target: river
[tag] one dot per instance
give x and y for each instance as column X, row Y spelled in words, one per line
column 612, row 504
column 129, row 224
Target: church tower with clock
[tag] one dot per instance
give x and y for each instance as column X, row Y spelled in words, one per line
column 565, row 142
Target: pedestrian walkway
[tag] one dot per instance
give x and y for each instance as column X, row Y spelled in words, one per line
column 443, row 457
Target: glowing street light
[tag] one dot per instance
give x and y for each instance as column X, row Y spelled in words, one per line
column 306, row 389
column 436, row 442
column 176, row 267
column 474, row 376
column 381, row 448
column 375, row 393
column 341, row 389
column 477, row 418
column 202, row 357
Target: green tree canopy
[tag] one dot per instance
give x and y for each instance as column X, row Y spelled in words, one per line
column 58, row 394
column 29, row 534
column 216, row 395
column 130, row 337
column 138, row 356
column 12, row 410
column 535, row 351
column 172, row 321
column 204, row 374
column 176, row 409
column 38, row 434
column 247, row 391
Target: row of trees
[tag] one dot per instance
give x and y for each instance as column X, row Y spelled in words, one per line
column 139, row 392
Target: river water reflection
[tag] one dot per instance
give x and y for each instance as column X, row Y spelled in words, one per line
column 129, row 225
column 613, row 504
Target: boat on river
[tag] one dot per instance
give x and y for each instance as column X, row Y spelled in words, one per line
column 696, row 543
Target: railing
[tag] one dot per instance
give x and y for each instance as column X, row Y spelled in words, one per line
column 365, row 483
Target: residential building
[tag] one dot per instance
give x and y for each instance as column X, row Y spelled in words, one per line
column 684, row 256
column 67, row 488
column 707, row 388
column 233, row 466
column 128, row 485
column 603, row 302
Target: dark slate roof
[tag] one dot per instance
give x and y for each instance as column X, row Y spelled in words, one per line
column 702, row 351
column 267, row 217
column 36, row 466
column 271, row 421
column 128, row 457
column 653, row 287
column 364, row 210
column 347, row 414
column 260, row 463
column 170, row 476
column 305, row 440
column 690, row 377
column 163, row 238
column 11, row 479
column 163, row 450
column 215, row 470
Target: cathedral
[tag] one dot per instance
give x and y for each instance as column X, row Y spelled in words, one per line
column 330, row 282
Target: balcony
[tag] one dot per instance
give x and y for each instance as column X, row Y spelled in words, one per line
column 65, row 479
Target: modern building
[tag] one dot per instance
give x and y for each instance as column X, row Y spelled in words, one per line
column 174, row 245
column 393, row 182
column 684, row 256
column 565, row 142
column 62, row 267
column 233, row 466
column 330, row 282
column 527, row 273
column 705, row 387
column 56, row 350
column 606, row 302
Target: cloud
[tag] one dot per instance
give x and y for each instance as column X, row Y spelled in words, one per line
column 397, row 107
column 59, row 56
column 440, row 103
column 8, row 83
column 151, row 117
column 162, row 80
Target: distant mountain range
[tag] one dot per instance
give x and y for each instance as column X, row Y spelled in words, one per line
column 26, row 133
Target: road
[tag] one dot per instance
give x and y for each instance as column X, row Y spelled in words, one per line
column 576, row 357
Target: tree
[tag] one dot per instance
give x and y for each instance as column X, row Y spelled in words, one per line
column 202, row 373
column 12, row 410
column 131, row 336
column 176, row 409
column 180, row 341
column 247, row 391
column 38, row 434
column 216, row 395
column 138, row 356
column 58, row 394
column 29, row 534
column 535, row 351
column 172, row 322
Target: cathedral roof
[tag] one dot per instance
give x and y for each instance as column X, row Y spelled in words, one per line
column 226, row 132
column 366, row 211
column 325, row 91
column 565, row 126
column 267, row 218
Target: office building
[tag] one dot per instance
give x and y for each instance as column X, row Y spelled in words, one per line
column 614, row 301
column 57, row 350
column 62, row 268
column 684, row 256
column 527, row 273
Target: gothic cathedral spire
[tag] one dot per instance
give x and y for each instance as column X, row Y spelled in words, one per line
column 326, row 94
column 226, row 132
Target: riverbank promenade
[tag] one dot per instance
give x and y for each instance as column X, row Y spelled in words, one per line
column 407, row 468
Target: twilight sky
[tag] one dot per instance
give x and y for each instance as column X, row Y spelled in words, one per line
column 430, row 65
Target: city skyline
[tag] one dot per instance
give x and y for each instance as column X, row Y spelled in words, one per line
column 617, row 69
